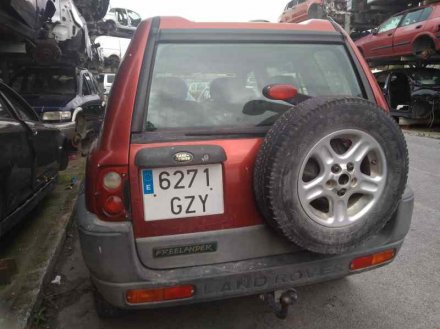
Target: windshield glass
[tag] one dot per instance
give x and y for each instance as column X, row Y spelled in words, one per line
column 219, row 85
column 427, row 77
column 48, row 81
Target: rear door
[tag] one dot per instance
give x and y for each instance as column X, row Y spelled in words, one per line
column 412, row 24
column 192, row 157
column 16, row 161
column 381, row 44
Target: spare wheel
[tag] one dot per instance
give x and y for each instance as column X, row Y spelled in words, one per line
column 330, row 173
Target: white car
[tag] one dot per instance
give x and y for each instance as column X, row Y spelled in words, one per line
column 121, row 20
column 107, row 81
column 112, row 49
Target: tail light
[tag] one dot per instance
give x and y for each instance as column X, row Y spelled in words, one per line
column 139, row 296
column 109, row 203
column 372, row 260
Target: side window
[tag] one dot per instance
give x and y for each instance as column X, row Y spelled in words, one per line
column 4, row 113
column 425, row 14
column 412, row 17
column 25, row 113
column 91, row 83
column 85, row 86
column 122, row 16
column 390, row 24
column 291, row 4
column 134, row 18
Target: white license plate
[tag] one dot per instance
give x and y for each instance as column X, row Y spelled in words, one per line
column 180, row 192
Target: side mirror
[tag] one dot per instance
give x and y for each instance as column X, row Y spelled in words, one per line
column 280, row 92
column 375, row 31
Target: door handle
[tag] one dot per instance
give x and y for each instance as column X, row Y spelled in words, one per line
column 419, row 26
column 390, row 34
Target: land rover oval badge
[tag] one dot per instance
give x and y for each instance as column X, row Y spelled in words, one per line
column 183, row 157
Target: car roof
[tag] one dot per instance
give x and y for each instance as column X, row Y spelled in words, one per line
column 179, row 23
column 415, row 8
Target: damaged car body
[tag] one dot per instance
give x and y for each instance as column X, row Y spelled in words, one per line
column 67, row 97
column 50, row 31
column 412, row 93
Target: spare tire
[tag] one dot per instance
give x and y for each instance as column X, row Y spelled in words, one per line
column 330, row 173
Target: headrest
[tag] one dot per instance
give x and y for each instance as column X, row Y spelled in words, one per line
column 230, row 90
column 170, row 87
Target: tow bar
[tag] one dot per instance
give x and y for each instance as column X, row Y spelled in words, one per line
column 281, row 307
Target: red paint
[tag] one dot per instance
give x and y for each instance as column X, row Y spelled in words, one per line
column 181, row 23
column 240, row 207
column 400, row 41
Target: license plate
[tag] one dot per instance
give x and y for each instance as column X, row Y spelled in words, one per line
column 181, row 192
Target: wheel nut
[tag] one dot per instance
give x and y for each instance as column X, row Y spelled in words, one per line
column 342, row 192
column 336, row 168
column 350, row 166
column 331, row 184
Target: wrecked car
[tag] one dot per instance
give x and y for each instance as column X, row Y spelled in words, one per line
column 121, row 20
column 51, row 30
column 412, row 93
column 408, row 33
column 291, row 174
column 297, row 11
column 67, row 97
column 32, row 153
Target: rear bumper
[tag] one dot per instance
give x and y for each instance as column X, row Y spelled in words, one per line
column 109, row 251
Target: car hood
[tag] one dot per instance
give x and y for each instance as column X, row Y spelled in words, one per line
column 40, row 103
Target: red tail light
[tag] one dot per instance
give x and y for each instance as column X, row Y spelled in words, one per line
column 372, row 260
column 281, row 92
column 160, row 294
column 108, row 193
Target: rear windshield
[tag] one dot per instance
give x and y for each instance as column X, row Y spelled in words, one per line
column 220, row 85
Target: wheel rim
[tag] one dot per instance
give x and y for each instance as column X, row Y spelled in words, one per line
column 342, row 178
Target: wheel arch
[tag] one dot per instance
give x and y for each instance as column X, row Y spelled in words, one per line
column 421, row 38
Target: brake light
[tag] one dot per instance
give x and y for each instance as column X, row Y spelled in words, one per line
column 372, row 260
column 109, row 202
column 139, row 296
column 281, row 92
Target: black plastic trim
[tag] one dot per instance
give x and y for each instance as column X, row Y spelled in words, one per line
column 159, row 157
column 365, row 85
column 230, row 35
column 143, row 89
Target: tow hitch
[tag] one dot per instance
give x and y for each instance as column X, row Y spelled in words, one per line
column 280, row 307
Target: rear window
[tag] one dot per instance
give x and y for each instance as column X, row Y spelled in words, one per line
column 220, row 85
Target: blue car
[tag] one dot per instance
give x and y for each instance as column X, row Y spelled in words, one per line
column 63, row 96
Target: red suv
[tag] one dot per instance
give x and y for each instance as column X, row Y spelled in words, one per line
column 288, row 171
column 412, row 32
